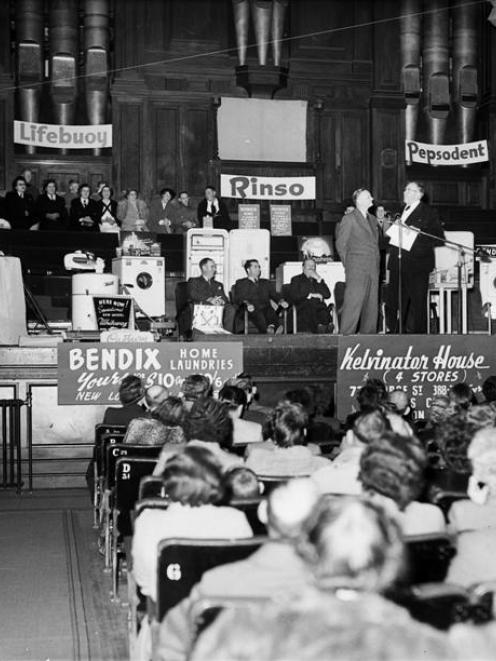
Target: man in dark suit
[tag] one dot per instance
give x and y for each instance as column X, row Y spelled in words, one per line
column 357, row 241
column 50, row 208
column 256, row 294
column 206, row 290
column 416, row 264
column 19, row 206
column 213, row 207
column 308, row 291
column 84, row 212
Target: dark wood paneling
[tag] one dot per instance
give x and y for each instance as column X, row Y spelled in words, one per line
column 166, row 130
column 194, row 149
column 129, row 155
column 387, row 157
column 330, row 29
column 3, row 145
column 387, row 67
column 345, row 154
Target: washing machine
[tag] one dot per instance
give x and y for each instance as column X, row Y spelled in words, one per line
column 143, row 278
column 84, row 287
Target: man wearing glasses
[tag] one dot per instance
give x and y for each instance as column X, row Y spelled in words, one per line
column 416, row 264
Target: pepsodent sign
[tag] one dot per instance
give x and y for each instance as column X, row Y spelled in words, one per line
column 463, row 154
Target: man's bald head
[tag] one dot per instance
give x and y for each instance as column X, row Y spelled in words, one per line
column 155, row 396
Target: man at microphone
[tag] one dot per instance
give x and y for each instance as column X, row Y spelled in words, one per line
column 416, row 264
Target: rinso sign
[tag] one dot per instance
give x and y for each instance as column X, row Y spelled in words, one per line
column 267, row 188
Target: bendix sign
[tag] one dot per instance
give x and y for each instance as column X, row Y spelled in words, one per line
column 241, row 187
column 91, row 373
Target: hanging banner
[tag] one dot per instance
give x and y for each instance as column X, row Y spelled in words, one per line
column 423, row 365
column 243, row 187
column 59, row 136
column 464, row 154
column 91, row 373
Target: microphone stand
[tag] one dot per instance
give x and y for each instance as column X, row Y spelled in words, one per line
column 461, row 248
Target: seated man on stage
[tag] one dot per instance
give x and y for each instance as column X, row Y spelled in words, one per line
column 256, row 294
column 308, row 292
column 206, row 290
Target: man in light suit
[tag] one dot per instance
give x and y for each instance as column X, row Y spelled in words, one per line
column 357, row 241
column 416, row 264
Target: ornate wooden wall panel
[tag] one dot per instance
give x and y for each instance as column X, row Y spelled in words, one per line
column 387, row 155
column 166, row 161
column 128, row 158
column 195, row 150
column 344, row 154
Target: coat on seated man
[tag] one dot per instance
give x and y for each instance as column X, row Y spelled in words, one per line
column 308, row 292
column 256, row 294
column 206, row 290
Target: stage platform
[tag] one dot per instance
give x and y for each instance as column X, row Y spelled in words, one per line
column 62, row 435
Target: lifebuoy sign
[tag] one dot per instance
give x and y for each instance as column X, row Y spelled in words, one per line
column 60, row 136
column 244, row 187
column 463, row 154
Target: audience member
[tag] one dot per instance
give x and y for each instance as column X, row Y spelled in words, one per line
column 489, row 389
column 209, row 425
column 130, row 394
column 107, row 210
column 162, row 212
column 275, row 570
column 474, row 520
column 97, row 195
column 193, row 484
column 155, row 396
column 452, row 439
column 50, row 208
column 392, row 471
column 171, row 414
column 20, row 207
column 356, row 553
column 31, row 189
column 212, row 211
column 184, row 214
column 244, row 431
column 461, row 397
column 341, row 475
column 84, row 212
column 308, row 292
column 241, row 483
column 72, row 193
column 195, row 386
column 254, row 411
column 284, row 452
column 133, row 212
column 256, row 294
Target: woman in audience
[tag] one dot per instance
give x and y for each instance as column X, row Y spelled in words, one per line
column 392, row 473
column 461, row 397
column 341, row 475
column 107, row 210
column 171, row 414
column 132, row 212
column 356, row 554
column 209, row 425
column 474, row 520
column 453, row 438
column 50, row 208
column 284, row 452
column 193, row 484
column 244, row 431
column 274, row 570
column 130, row 393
